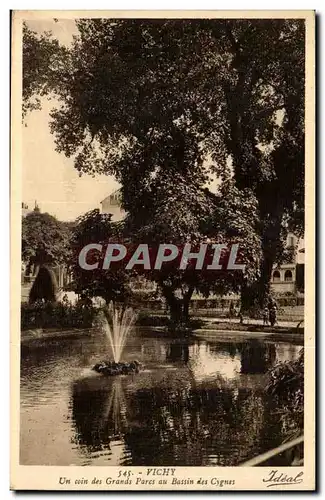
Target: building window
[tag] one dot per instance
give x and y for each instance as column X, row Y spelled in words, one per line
column 291, row 242
column 288, row 275
column 276, row 276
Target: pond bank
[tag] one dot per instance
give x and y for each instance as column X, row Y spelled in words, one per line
column 253, row 327
column 214, row 334
column 209, row 331
column 52, row 333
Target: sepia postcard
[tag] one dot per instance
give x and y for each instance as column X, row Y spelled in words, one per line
column 163, row 250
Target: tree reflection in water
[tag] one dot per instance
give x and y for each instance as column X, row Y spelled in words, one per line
column 99, row 414
column 178, row 351
column 257, row 357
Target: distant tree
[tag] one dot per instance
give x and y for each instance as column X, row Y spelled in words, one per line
column 45, row 240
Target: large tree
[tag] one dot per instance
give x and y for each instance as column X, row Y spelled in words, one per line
column 146, row 100
column 179, row 214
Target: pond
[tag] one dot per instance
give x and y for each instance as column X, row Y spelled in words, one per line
column 196, row 403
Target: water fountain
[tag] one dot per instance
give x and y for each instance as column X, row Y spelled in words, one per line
column 117, row 322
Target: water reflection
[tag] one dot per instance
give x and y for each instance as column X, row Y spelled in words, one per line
column 178, row 351
column 196, row 403
column 214, row 362
column 257, row 357
column 100, row 414
column 184, row 426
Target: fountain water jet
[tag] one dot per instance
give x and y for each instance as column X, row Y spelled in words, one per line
column 117, row 322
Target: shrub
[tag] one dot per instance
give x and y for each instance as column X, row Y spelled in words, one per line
column 56, row 315
column 286, row 386
column 45, row 286
column 145, row 319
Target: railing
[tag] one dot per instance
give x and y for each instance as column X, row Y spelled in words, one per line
column 298, row 325
column 260, row 459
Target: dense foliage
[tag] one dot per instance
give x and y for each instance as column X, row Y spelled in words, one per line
column 45, row 240
column 94, row 227
column 286, row 386
column 42, row 59
column 57, row 315
column 178, row 215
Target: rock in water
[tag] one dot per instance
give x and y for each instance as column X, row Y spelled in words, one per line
column 110, row 368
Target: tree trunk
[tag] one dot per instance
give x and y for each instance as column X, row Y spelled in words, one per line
column 264, row 281
column 186, row 304
column 178, row 307
column 255, row 297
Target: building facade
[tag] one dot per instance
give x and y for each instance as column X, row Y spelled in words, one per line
column 112, row 205
column 288, row 278
column 25, row 210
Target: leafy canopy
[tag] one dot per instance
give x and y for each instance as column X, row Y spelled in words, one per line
column 168, row 102
column 45, row 240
